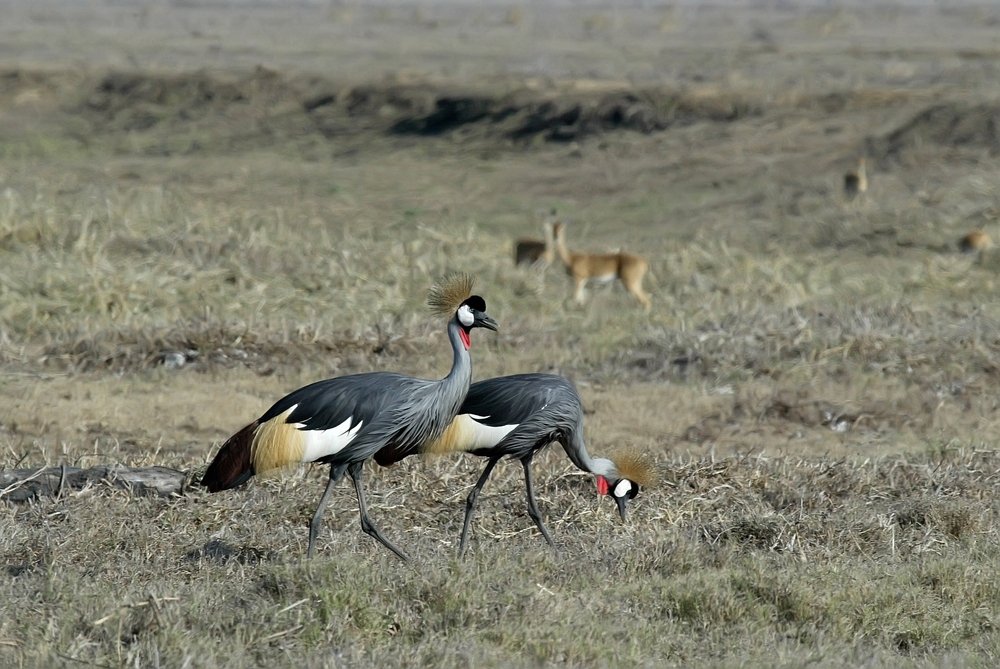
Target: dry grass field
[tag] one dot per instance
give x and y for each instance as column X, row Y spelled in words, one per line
column 206, row 205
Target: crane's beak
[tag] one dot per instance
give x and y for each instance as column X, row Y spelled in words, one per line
column 484, row 321
column 622, row 503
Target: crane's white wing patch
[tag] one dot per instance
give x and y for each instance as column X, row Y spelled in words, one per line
column 478, row 435
column 320, row 443
column 467, row 434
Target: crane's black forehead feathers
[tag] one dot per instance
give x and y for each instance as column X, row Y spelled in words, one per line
column 448, row 294
column 476, row 302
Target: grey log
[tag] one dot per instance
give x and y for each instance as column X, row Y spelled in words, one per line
column 22, row 485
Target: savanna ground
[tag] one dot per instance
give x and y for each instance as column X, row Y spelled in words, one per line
column 203, row 207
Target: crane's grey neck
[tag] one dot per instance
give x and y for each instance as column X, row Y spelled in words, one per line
column 461, row 364
column 604, row 467
column 453, row 388
column 576, row 449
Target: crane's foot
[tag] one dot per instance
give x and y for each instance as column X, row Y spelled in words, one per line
column 372, row 531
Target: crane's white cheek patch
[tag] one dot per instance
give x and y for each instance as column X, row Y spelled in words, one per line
column 465, row 316
column 622, row 488
column 320, row 443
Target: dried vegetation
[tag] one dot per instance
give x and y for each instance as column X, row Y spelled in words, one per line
column 817, row 379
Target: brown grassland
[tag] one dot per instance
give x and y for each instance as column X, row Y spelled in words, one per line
column 206, row 205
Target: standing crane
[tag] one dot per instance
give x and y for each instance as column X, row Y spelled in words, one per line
column 517, row 416
column 346, row 420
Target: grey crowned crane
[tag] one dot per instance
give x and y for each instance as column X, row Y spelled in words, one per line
column 346, row 420
column 517, row 416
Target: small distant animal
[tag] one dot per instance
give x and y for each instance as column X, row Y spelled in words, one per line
column 976, row 241
column 602, row 267
column 537, row 253
column 856, row 181
column 529, row 252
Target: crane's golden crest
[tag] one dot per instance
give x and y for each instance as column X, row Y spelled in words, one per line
column 447, row 294
column 635, row 466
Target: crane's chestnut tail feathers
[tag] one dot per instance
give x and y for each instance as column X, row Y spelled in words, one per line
column 256, row 449
column 231, row 466
column 447, row 295
column 635, row 466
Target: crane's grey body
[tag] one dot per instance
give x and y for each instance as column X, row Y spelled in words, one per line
column 545, row 408
column 395, row 412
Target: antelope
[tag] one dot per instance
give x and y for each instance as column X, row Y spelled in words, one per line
column 537, row 253
column 976, row 241
column 602, row 267
column 856, row 181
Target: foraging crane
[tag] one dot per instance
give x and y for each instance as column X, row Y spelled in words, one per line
column 517, row 416
column 344, row 421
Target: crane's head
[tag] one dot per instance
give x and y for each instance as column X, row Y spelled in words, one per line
column 452, row 296
column 472, row 314
column 632, row 470
column 620, row 490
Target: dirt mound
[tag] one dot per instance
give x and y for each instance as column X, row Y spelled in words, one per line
column 14, row 82
column 139, row 101
column 524, row 116
column 264, row 105
column 952, row 125
column 450, row 112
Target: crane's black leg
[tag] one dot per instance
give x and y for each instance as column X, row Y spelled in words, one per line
column 317, row 519
column 532, row 507
column 355, row 470
column 470, row 503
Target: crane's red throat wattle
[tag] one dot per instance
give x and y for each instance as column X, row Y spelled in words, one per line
column 602, row 485
column 466, row 340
